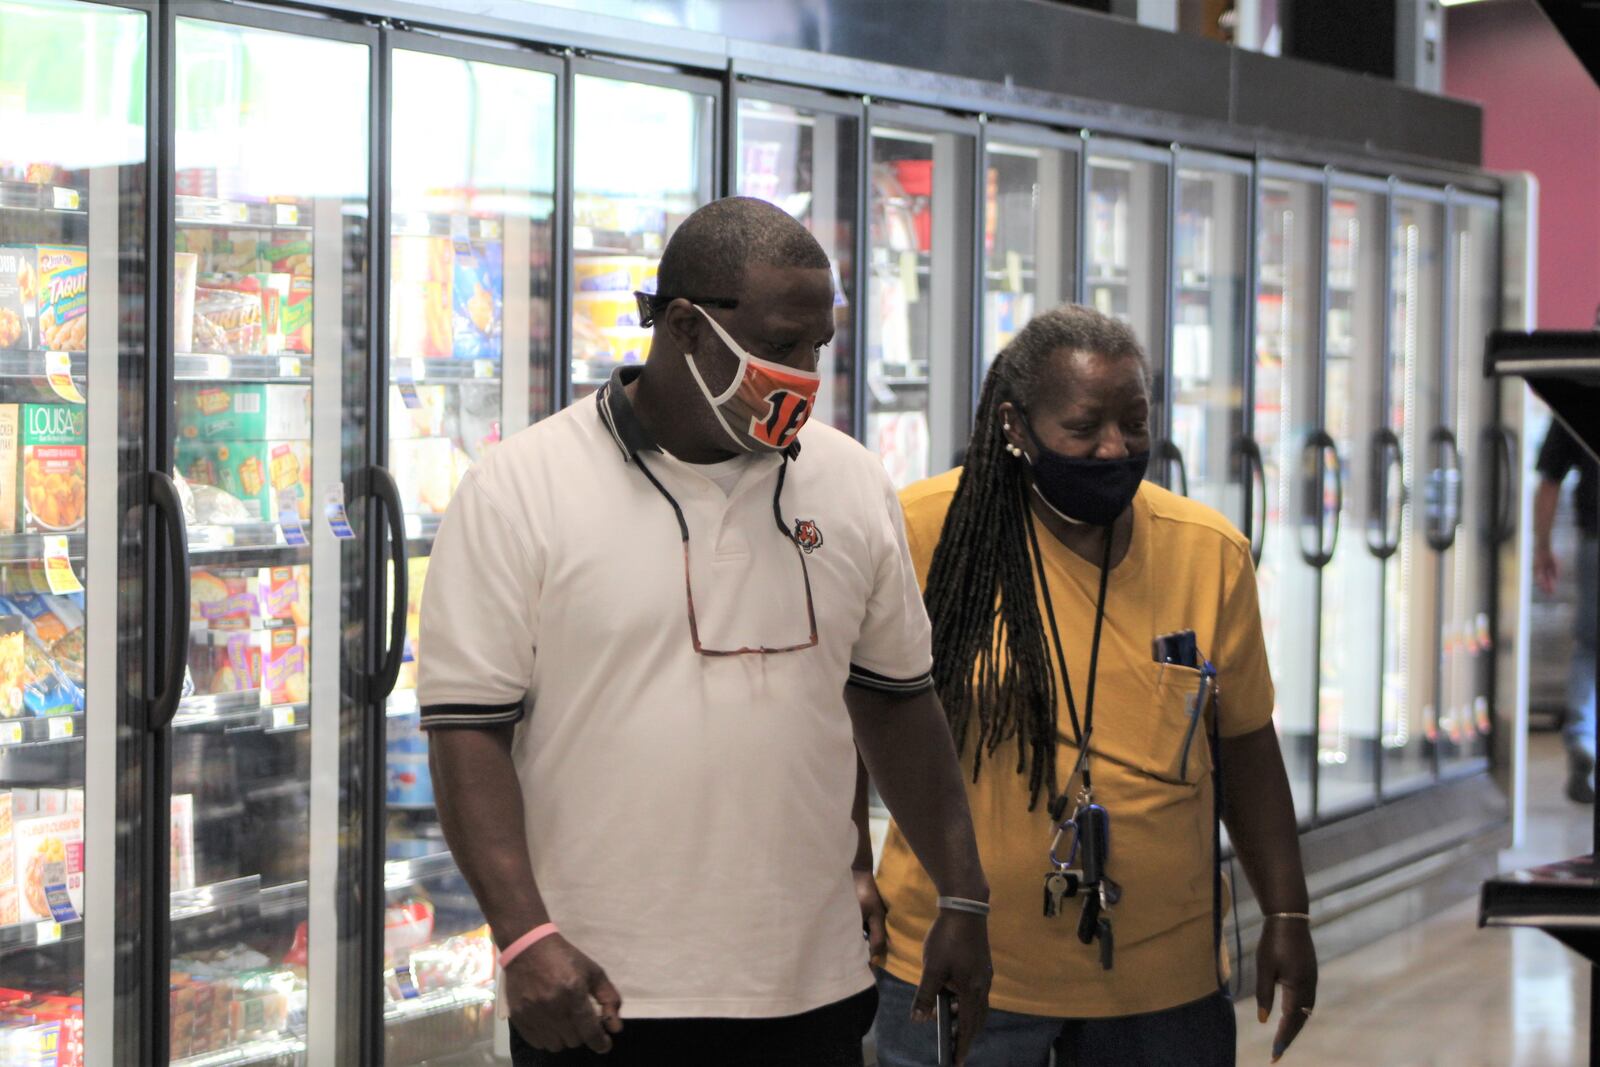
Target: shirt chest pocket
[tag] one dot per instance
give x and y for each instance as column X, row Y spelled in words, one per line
column 1157, row 727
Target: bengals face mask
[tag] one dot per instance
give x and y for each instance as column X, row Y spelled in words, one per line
column 765, row 405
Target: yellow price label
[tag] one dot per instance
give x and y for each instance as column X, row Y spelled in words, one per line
column 47, row 932
column 58, row 571
column 61, row 726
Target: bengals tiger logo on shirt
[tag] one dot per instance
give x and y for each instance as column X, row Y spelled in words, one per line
column 807, row 535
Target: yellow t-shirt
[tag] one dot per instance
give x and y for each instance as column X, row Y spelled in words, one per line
column 1187, row 568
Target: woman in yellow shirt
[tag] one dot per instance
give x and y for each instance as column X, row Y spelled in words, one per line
column 1049, row 569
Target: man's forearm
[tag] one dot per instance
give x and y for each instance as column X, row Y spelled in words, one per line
column 1258, row 809
column 1546, row 499
column 858, row 814
column 480, row 809
column 905, row 745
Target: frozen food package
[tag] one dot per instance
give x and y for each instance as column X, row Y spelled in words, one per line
column 181, row 859
column 225, row 598
column 10, row 906
column 417, row 577
column 46, row 690
column 410, row 783
column 472, row 420
column 425, row 473
column 243, row 411
column 422, row 278
column 290, row 254
column 13, row 668
column 296, row 315
column 418, row 410
column 285, row 666
column 261, row 474
column 18, row 298
column 227, row 322
column 54, row 476
column 49, row 865
column 477, row 296
column 286, row 594
column 185, row 269
column 10, row 431
column 62, row 274
column 211, row 506
column 8, row 869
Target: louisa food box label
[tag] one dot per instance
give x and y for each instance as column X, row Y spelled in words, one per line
column 53, row 467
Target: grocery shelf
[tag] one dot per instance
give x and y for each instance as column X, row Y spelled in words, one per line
column 41, row 730
column 37, row 934
column 901, row 381
column 438, row 1002
column 283, row 899
column 219, row 896
column 211, row 367
column 30, row 548
column 422, row 528
column 30, row 196
column 31, row 364
column 240, row 711
column 209, row 211
column 445, row 224
column 245, row 540
column 272, row 1050
column 401, row 873
column 423, row 371
column 1108, row 279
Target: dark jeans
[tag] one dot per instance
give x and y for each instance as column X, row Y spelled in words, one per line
column 1199, row 1034
column 830, row 1036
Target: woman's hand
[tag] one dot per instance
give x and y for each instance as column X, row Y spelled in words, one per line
column 1286, row 957
column 873, row 916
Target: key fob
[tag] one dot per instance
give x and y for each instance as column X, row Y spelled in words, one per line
column 1089, row 921
column 1107, row 948
column 1094, row 828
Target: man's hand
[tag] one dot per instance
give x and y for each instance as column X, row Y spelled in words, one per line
column 1286, row 957
column 955, row 957
column 873, row 915
column 561, row 999
column 1546, row 571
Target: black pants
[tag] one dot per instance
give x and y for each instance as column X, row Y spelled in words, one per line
column 830, row 1036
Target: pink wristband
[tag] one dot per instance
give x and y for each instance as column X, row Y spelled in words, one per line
column 525, row 942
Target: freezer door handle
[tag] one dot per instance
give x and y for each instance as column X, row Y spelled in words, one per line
column 377, row 482
column 1444, row 489
column 1388, row 469
column 1316, row 546
column 1503, row 444
column 1172, row 456
column 163, row 493
column 1255, row 474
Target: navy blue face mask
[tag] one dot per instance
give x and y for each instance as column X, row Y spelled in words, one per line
column 1091, row 492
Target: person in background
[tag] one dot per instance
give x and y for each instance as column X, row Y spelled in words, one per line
column 1557, row 456
column 1049, row 570
column 659, row 627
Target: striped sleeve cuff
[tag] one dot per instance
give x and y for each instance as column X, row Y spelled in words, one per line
column 884, row 684
column 469, row 716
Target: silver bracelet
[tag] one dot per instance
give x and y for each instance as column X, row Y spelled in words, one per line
column 971, row 907
column 1288, row 915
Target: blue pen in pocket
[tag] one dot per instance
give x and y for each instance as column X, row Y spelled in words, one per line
column 1208, row 675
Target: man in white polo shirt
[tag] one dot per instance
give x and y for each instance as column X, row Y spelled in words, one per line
column 658, row 626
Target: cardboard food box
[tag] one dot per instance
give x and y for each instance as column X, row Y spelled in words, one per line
column 185, row 270
column 477, row 299
column 13, row 686
column 49, row 866
column 54, row 479
column 226, row 663
column 262, row 474
column 422, row 273
column 10, row 429
column 286, row 595
column 250, row 411
column 285, row 666
column 296, row 316
column 8, row 859
column 181, row 858
column 422, row 415
column 62, row 273
column 425, row 473
column 224, row 598
column 18, row 299
column 10, row 909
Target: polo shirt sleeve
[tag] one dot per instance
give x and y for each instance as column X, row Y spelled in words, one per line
column 479, row 624
column 894, row 652
column 1244, row 679
column 1558, row 454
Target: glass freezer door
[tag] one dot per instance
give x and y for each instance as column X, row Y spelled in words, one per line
column 1029, row 235
column 270, row 339
column 72, row 155
column 1464, row 711
column 920, row 215
column 806, row 160
column 1411, row 580
column 1284, row 420
column 1125, row 253
column 642, row 162
column 1352, row 587
column 472, row 182
column 1209, row 345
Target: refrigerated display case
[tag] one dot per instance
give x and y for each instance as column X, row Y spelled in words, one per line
column 1348, row 683
column 472, row 186
column 643, row 159
column 920, row 213
column 1285, row 425
column 1414, row 410
column 1127, row 212
column 802, row 152
column 72, row 155
column 1483, row 461
column 1030, row 245
column 1210, row 276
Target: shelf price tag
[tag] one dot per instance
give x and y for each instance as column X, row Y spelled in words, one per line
column 46, row 932
column 909, row 282
column 288, row 215
column 1014, row 271
column 289, row 367
column 282, row 718
column 10, row 733
column 66, row 199
column 61, row 726
column 483, row 368
column 408, row 395
column 289, row 521
column 58, row 371
column 338, row 518
column 58, row 571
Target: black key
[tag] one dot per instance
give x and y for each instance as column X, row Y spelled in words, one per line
column 1107, row 947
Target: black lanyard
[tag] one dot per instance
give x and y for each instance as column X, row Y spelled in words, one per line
column 1081, row 733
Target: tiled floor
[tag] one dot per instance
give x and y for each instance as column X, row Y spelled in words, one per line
column 1446, row 993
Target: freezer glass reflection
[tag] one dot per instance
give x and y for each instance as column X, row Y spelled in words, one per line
column 471, row 249
column 72, row 144
column 1352, row 582
column 805, row 162
column 642, row 163
column 1288, row 236
column 1410, row 728
column 1211, row 246
column 270, row 212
